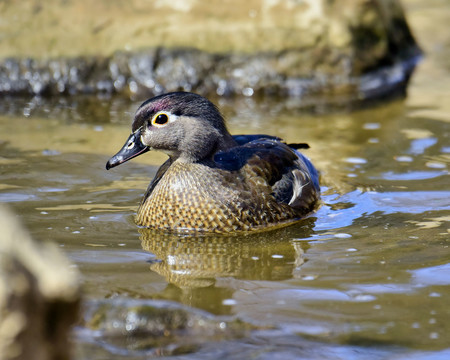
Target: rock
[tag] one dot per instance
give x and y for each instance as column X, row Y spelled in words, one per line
column 39, row 296
column 153, row 327
column 338, row 51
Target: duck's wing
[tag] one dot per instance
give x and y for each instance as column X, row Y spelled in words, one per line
column 159, row 174
column 244, row 139
column 291, row 176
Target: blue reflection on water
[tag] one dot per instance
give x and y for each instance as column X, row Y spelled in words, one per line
column 436, row 275
column 411, row 175
column 366, row 203
column 418, row 146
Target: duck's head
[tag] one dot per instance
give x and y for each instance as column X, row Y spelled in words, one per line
column 184, row 125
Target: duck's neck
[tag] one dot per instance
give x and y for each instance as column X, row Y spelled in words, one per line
column 225, row 142
column 205, row 150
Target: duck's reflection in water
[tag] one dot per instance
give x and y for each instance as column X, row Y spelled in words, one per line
column 193, row 264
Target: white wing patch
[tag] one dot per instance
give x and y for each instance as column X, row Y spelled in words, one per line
column 300, row 181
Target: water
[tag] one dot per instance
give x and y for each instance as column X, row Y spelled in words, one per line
column 366, row 277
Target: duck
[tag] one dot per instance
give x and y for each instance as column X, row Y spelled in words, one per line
column 212, row 181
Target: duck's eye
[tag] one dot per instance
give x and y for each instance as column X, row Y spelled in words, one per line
column 160, row 119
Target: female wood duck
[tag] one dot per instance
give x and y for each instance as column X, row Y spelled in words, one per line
column 212, row 181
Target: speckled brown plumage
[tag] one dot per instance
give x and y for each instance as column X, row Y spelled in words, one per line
column 196, row 196
column 219, row 184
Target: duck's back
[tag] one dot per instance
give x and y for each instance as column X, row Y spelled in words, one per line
column 262, row 182
column 292, row 178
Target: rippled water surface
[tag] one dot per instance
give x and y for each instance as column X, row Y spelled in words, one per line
column 368, row 274
column 366, row 277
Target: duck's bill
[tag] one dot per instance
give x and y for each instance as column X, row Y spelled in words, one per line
column 133, row 147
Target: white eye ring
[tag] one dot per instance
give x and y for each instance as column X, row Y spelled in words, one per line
column 161, row 119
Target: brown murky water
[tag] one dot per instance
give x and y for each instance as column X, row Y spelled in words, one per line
column 367, row 274
column 366, row 277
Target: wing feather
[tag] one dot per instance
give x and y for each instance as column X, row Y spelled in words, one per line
column 291, row 176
